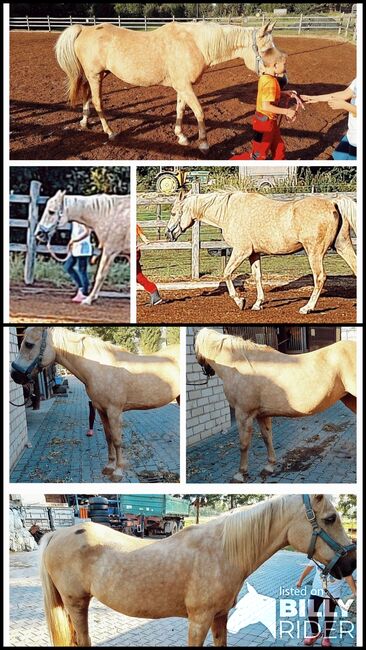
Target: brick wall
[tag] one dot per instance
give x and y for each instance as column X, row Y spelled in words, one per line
column 18, row 431
column 208, row 411
column 349, row 333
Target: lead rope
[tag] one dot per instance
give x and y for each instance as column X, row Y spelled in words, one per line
column 29, row 399
column 55, row 257
column 324, row 580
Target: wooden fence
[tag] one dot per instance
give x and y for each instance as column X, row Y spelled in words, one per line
column 196, row 245
column 339, row 24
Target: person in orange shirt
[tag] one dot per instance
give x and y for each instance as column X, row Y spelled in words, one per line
column 267, row 137
column 149, row 286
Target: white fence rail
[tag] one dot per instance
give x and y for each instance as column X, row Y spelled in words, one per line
column 340, row 24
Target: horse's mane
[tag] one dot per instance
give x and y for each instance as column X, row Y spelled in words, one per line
column 62, row 337
column 216, row 41
column 247, row 530
column 210, row 346
column 98, row 203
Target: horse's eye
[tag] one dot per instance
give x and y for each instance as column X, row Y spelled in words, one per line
column 51, row 211
column 29, row 345
column 330, row 520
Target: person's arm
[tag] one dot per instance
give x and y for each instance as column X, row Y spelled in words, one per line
column 308, row 569
column 345, row 95
column 351, row 583
column 341, row 104
column 84, row 234
column 277, row 110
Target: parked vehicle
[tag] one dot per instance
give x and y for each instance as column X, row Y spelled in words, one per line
column 153, row 514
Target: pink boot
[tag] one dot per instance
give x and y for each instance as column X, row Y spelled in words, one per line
column 90, row 433
column 310, row 640
column 79, row 296
column 326, row 643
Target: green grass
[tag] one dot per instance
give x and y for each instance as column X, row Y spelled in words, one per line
column 48, row 270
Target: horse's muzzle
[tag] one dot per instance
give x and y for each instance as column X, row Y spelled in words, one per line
column 42, row 236
column 18, row 376
column 172, row 234
column 345, row 566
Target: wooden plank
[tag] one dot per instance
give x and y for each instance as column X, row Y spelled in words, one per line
column 30, row 258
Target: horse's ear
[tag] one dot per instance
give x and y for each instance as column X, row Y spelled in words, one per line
column 270, row 27
column 182, row 194
column 251, row 589
column 61, row 193
column 317, row 500
column 267, row 28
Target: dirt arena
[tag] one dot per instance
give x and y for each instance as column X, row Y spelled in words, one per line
column 43, row 126
column 337, row 304
column 51, row 305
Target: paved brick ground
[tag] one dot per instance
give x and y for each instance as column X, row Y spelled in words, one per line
column 316, row 449
column 61, row 452
column 108, row 628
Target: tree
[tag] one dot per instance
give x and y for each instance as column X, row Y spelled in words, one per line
column 150, row 338
column 173, row 335
column 347, row 505
column 125, row 337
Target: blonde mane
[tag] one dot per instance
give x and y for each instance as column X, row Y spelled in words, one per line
column 247, row 531
column 211, row 344
column 78, row 343
column 216, row 41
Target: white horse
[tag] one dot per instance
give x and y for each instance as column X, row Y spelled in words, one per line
column 107, row 214
column 253, row 608
column 174, row 55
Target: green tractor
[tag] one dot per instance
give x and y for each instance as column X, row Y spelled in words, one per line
column 171, row 179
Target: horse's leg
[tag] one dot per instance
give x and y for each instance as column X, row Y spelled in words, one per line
column 199, row 626
column 115, row 423
column 236, row 258
column 245, row 427
column 188, row 96
column 103, row 268
column 86, row 104
column 346, row 251
column 182, row 139
column 95, row 81
column 316, row 264
column 108, row 469
column 219, row 630
column 350, row 401
column 255, row 262
column 265, row 425
column 77, row 609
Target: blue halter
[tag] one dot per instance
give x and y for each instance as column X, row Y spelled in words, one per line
column 339, row 550
column 37, row 361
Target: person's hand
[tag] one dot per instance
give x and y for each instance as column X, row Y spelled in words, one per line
column 299, row 583
column 309, row 99
column 290, row 113
column 69, row 245
column 338, row 104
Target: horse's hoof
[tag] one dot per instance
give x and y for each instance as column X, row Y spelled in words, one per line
column 304, row 310
column 203, row 146
column 269, row 468
column 86, row 302
column 240, row 302
column 84, row 126
column 116, row 478
column 257, row 307
column 107, row 470
column 112, row 136
column 182, row 140
column 239, row 477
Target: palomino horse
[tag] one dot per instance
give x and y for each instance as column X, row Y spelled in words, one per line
column 108, row 215
column 115, row 380
column 253, row 224
column 260, row 382
column 173, row 55
column 196, row 574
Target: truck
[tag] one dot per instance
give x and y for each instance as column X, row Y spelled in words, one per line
column 152, row 514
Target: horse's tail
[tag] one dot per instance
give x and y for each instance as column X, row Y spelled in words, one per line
column 68, row 61
column 61, row 630
column 347, row 208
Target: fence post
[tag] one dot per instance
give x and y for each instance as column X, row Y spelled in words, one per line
column 27, row 20
column 70, row 20
column 30, row 256
column 119, row 20
column 347, row 26
column 340, row 23
column 263, row 19
column 145, row 24
column 195, row 239
column 300, row 24
column 48, row 23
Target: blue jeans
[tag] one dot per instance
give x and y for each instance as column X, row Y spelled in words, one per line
column 345, row 150
column 79, row 276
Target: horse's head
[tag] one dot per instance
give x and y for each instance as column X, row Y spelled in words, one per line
column 200, row 356
column 180, row 217
column 317, row 530
column 36, row 352
column 263, row 45
column 53, row 217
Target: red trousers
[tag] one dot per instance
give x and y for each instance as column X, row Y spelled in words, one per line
column 149, row 286
column 267, row 139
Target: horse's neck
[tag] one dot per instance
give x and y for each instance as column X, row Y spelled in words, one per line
column 208, row 213
column 69, row 359
column 231, row 43
column 78, row 208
